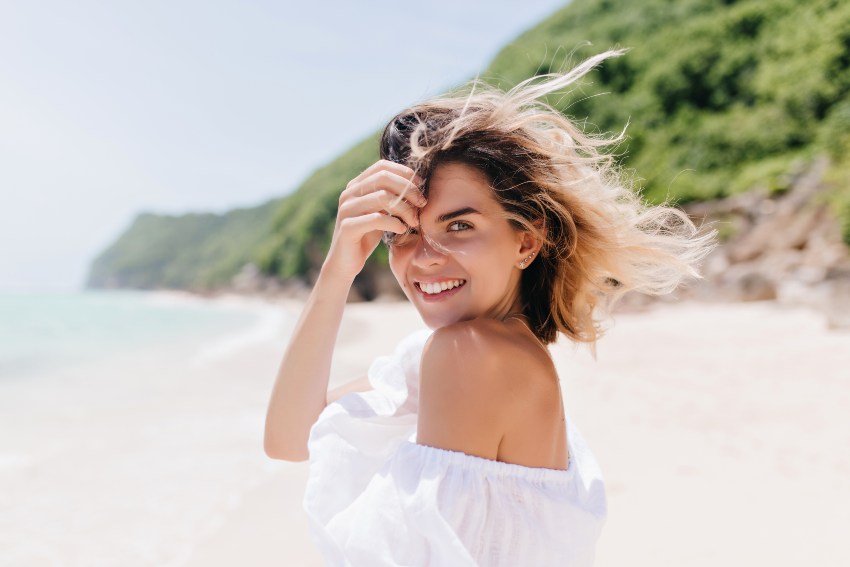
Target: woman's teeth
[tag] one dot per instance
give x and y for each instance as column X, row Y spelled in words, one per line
column 432, row 288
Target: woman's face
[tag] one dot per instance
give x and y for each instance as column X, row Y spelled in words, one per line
column 463, row 263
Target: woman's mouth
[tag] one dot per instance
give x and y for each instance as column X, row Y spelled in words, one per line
column 434, row 291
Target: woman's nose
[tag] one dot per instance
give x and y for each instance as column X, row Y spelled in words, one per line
column 428, row 253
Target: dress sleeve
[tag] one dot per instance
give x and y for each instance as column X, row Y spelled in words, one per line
column 374, row 497
column 358, row 433
column 396, row 378
column 431, row 506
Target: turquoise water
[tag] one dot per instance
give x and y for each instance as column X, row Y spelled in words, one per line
column 125, row 433
column 42, row 331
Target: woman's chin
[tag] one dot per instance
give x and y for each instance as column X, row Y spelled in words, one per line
column 433, row 315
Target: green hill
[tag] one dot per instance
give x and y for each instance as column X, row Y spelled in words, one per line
column 192, row 251
column 720, row 97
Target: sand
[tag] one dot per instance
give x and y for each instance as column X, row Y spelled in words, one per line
column 721, row 429
column 270, row 528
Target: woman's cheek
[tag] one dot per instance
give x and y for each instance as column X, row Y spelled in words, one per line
column 396, row 262
column 463, row 245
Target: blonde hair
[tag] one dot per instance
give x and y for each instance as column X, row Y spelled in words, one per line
column 599, row 239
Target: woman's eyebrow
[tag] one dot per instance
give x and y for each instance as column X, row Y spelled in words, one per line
column 457, row 213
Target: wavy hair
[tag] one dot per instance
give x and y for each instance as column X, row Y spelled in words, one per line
column 599, row 239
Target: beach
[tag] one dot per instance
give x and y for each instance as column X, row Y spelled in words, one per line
column 721, row 430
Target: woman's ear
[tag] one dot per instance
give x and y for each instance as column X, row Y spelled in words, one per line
column 529, row 247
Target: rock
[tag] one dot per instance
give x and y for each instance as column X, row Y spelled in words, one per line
column 747, row 282
column 354, row 295
column 715, row 265
column 779, row 265
column 793, row 230
column 249, row 280
column 794, row 293
column 838, row 306
column 386, row 287
column 756, row 287
column 777, row 246
column 376, row 281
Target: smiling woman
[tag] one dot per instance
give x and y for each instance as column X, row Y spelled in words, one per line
column 506, row 225
column 464, row 240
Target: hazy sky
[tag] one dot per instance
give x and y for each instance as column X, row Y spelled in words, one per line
column 111, row 108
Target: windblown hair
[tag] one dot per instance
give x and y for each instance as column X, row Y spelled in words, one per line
column 599, row 239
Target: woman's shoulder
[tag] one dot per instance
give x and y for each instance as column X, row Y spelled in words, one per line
column 476, row 377
column 478, row 333
column 487, row 337
column 489, row 349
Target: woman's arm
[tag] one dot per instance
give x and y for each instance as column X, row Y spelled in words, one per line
column 360, row 385
column 300, row 390
column 382, row 198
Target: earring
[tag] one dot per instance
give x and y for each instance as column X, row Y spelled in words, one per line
column 525, row 261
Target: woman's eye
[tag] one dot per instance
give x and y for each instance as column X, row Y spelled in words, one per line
column 401, row 240
column 459, row 225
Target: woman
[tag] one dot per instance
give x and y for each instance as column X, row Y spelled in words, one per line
column 505, row 225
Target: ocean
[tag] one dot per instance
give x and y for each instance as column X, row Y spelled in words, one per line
column 41, row 331
column 130, row 422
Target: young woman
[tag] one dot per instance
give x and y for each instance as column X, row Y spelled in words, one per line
column 506, row 225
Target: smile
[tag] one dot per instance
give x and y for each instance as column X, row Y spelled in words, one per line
column 433, row 290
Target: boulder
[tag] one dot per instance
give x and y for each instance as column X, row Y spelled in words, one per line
column 780, row 246
column 838, row 303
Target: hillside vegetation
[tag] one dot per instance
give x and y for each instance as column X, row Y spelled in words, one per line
column 192, row 251
column 720, row 97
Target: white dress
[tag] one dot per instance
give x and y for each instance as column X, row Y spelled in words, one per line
column 375, row 497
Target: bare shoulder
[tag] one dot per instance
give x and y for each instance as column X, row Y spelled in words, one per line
column 486, row 352
column 475, row 376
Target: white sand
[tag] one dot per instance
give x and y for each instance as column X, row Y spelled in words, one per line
column 722, row 431
column 270, row 528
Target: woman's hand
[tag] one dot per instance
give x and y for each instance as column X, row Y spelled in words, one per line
column 385, row 197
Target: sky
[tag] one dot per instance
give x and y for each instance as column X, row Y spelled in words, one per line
column 109, row 109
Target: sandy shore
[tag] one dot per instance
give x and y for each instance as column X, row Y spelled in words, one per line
column 269, row 528
column 721, row 429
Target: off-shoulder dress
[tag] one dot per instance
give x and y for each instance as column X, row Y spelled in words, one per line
column 375, row 497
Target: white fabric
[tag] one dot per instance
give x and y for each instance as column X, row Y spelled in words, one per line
column 377, row 498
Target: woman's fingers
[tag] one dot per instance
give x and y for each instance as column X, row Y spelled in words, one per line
column 384, row 198
column 354, row 239
column 405, row 187
column 383, row 164
column 355, row 227
column 384, row 187
column 381, row 201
